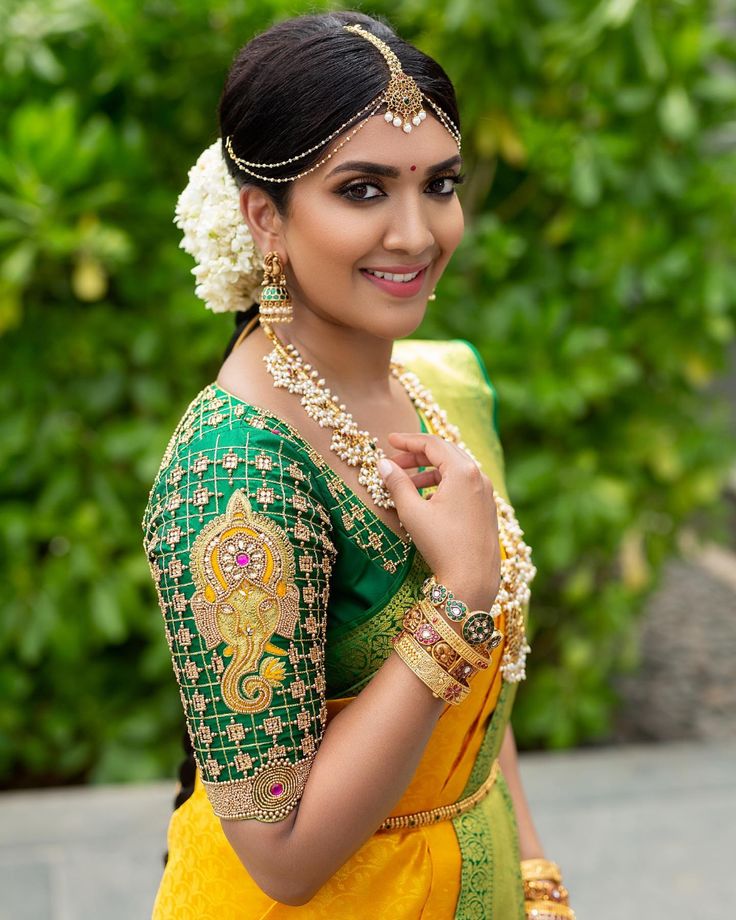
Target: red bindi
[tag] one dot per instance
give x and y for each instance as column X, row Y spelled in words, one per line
column 412, row 168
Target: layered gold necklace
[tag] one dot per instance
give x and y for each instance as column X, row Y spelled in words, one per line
column 358, row 448
column 353, row 445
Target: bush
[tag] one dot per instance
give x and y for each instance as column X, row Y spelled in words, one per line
column 597, row 278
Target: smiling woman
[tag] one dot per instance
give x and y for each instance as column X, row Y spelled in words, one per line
column 343, row 582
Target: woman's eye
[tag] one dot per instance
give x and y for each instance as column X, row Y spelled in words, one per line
column 444, row 185
column 361, row 191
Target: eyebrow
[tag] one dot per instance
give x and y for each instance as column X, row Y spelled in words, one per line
column 390, row 172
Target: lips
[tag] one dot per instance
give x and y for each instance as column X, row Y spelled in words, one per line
column 400, row 281
column 393, row 276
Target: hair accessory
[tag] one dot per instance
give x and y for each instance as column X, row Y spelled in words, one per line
column 402, row 95
column 403, row 100
column 228, row 269
column 276, row 305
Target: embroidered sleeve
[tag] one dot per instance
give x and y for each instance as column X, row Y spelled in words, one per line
column 241, row 555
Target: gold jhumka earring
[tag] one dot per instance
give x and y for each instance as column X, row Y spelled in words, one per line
column 276, row 304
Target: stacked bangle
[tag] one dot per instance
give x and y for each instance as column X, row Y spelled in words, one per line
column 443, row 685
column 545, row 897
column 477, row 625
column 437, row 653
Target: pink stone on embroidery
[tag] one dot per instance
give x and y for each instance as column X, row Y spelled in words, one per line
column 242, row 558
column 277, row 789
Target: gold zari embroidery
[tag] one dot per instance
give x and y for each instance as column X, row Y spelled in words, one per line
column 243, row 571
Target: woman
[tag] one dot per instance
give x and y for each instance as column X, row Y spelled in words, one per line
column 343, row 585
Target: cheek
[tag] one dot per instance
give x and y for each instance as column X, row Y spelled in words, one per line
column 336, row 242
column 451, row 228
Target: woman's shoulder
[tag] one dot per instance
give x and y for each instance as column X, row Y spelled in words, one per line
column 220, row 432
column 453, row 369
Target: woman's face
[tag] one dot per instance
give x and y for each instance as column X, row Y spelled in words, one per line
column 385, row 203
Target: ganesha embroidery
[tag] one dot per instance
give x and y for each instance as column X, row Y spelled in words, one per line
column 243, row 573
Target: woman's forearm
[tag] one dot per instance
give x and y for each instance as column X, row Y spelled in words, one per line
column 530, row 845
column 367, row 757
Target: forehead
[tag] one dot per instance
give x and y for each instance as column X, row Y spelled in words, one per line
column 380, row 142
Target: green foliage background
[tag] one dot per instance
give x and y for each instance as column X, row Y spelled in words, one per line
column 597, row 278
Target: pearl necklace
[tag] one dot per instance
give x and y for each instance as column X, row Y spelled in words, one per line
column 358, row 448
column 351, row 444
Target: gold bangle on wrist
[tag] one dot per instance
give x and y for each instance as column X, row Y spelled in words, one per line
column 443, row 685
column 547, row 910
column 545, row 890
column 473, row 656
column 478, row 627
column 539, row 868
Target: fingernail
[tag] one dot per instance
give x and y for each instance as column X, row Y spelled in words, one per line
column 384, row 467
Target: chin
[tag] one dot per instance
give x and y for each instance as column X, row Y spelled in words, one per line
column 398, row 322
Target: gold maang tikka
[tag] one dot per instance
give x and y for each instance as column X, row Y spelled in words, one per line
column 404, row 109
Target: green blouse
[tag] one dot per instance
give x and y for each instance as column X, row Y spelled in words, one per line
column 279, row 587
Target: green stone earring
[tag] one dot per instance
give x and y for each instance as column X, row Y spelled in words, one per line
column 276, row 305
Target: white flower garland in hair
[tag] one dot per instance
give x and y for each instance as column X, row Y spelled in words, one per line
column 229, row 266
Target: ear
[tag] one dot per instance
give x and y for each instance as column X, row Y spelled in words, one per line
column 263, row 219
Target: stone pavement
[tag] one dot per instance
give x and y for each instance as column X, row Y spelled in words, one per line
column 642, row 833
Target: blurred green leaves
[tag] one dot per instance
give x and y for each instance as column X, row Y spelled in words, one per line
column 597, row 277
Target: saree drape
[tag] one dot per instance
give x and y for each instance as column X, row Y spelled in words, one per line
column 465, row 867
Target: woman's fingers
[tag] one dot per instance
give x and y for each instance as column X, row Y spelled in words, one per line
column 401, row 488
column 435, row 450
column 426, row 478
column 408, row 460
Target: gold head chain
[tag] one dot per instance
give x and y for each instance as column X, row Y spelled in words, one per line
column 404, row 109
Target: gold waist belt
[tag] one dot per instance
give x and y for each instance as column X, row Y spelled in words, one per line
column 442, row 812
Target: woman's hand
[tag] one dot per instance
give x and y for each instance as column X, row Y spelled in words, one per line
column 456, row 529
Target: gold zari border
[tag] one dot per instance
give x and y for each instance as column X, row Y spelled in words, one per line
column 442, row 812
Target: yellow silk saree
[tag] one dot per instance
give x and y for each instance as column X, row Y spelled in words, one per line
column 361, row 577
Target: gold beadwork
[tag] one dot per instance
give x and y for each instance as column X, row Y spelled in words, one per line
column 443, row 812
column 402, row 98
column 420, row 661
column 243, row 570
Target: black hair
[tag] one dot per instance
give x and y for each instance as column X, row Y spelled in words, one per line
column 298, row 82
column 301, row 80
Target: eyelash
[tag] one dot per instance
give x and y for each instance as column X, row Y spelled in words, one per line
column 346, row 189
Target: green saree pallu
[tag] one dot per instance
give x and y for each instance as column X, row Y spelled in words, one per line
column 281, row 591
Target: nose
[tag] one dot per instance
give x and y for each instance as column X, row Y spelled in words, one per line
column 409, row 229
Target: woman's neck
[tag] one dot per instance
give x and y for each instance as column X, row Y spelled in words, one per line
column 354, row 363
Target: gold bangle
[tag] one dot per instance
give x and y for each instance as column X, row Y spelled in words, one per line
column 452, row 638
column 539, row 868
column 417, row 625
column 547, row 910
column 545, row 890
column 442, row 684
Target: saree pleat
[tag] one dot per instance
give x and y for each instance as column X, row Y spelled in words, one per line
column 466, row 867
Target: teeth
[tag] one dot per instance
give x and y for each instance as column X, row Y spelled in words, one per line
column 391, row 277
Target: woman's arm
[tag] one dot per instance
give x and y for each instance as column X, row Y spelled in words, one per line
column 368, row 756
column 529, row 844
column 371, row 749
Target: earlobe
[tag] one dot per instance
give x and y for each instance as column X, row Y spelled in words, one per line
column 262, row 217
